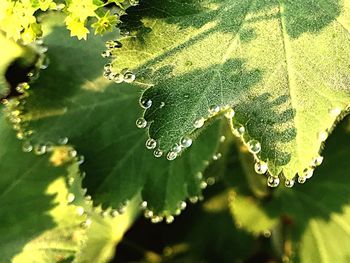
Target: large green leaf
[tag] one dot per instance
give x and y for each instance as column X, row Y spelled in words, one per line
column 315, row 217
column 72, row 100
column 36, row 222
column 283, row 66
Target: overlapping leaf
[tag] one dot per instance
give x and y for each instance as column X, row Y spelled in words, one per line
column 71, row 99
column 315, row 216
column 282, row 65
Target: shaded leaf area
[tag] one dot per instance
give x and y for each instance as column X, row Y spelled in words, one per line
column 314, row 217
column 282, row 66
column 37, row 224
column 72, row 100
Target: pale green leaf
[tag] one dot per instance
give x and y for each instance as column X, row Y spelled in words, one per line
column 282, row 65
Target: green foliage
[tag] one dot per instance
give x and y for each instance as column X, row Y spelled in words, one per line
column 241, row 95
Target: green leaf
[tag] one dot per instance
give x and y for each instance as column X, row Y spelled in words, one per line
column 281, row 65
column 72, row 99
column 37, row 224
column 315, row 216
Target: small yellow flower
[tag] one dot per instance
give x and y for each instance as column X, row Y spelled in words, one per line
column 77, row 28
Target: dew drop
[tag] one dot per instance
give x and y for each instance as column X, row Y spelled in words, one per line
column 169, row 219
column 222, row 138
column 72, row 153
column 210, row 180
column 117, row 77
column 134, row 2
column 177, row 211
column 301, row 179
column 20, row 135
column 114, row 213
column 322, row 136
column 129, row 77
column 238, row 129
column 88, row 198
column 107, row 67
column 308, row 173
column 110, row 44
column 143, row 205
column 194, row 199
column 199, row 175
column 40, row 149
column 217, row 156
column 203, row 185
column 214, row 109
column 80, row 159
column 80, row 210
column 317, row 161
column 156, row 219
column 230, row 113
column 198, row 123
column 63, row 141
column 182, row 205
column 177, row 148
column 106, row 53
column 171, row 155
column 273, row 181
column 146, row 103
column 27, row 147
column 141, row 123
column 148, row 213
column 186, row 142
column 254, row 146
column 335, row 112
column 158, row 153
column 122, row 209
column 267, row 233
column 260, row 167
column 86, row 223
column 70, row 198
column 289, row 183
column 70, row 181
column 151, row 144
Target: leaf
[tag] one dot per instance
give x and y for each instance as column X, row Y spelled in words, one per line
column 71, row 99
column 315, row 216
column 37, row 224
column 281, row 65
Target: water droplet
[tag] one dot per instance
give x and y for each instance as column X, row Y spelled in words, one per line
column 122, row 209
column 203, row 185
column 230, row 113
column 177, row 148
column 110, row 44
column 27, row 147
column 129, row 77
column 199, row 123
column 169, row 219
column 267, row 233
column 40, row 149
column 199, row 175
column 70, row 198
column 86, row 223
column 308, row 173
column 141, row 123
column 104, row 213
column 106, row 53
column 317, row 161
column 177, row 211
column 134, row 2
column 117, row 77
column 171, row 155
column 210, row 180
column 80, row 159
column 260, row 167
column 158, row 153
column 107, row 67
column 143, row 205
column 151, row 144
column 238, row 129
column 146, row 103
column 222, row 138
column 273, row 181
column 301, row 179
column 335, row 112
column 214, row 109
column 182, row 205
column 114, row 213
column 162, row 104
column 148, row 213
column 63, row 141
column 80, row 210
column 20, row 135
column 194, row 199
column 254, row 146
column 72, row 153
column 322, row 136
column 289, row 183
column 156, row 219
column 186, row 142
column 22, row 87
column 88, row 198
column 70, row 181
column 217, row 156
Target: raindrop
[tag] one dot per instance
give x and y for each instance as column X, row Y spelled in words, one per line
column 203, row 185
column 171, row 155
column 317, row 161
column 177, row 148
column 27, row 147
column 301, row 179
column 72, row 153
column 141, row 123
column 70, row 198
column 238, row 129
column 322, row 136
column 169, row 219
column 146, row 103
column 63, row 141
column 129, row 77
column 182, row 205
column 186, row 142
column 107, row 67
column 158, row 153
column 194, row 199
column 254, row 146
column 222, row 138
column 106, row 53
column 260, row 167
column 148, row 213
column 198, row 123
column 273, row 181
column 214, row 109
column 308, row 173
column 230, row 113
column 289, row 183
column 40, row 149
column 151, row 144
column 143, row 204
column 86, row 223
column 335, row 112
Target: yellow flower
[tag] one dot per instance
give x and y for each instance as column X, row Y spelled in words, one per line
column 77, row 28
column 82, row 9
